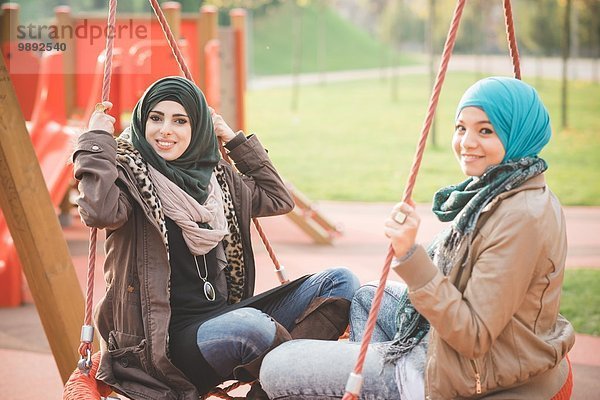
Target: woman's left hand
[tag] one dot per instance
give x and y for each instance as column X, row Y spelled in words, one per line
column 222, row 130
column 402, row 227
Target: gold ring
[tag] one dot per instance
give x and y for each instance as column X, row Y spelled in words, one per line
column 399, row 217
column 99, row 107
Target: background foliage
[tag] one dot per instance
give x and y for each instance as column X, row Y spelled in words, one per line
column 402, row 24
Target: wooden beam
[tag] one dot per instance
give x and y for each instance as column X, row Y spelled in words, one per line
column 207, row 28
column 65, row 19
column 9, row 19
column 38, row 238
column 238, row 24
column 172, row 11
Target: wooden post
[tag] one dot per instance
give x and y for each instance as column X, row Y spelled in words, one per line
column 207, row 30
column 8, row 22
column 172, row 11
column 238, row 23
column 64, row 18
column 38, row 238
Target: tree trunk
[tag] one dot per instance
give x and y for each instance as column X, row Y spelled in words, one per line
column 565, row 60
column 297, row 57
column 322, row 43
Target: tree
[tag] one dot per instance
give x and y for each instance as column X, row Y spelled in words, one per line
column 566, row 50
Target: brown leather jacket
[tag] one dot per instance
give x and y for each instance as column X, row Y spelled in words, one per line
column 496, row 331
column 133, row 316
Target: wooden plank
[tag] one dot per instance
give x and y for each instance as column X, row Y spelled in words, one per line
column 38, row 238
column 308, row 226
column 304, row 204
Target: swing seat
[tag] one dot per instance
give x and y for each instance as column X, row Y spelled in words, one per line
column 87, row 387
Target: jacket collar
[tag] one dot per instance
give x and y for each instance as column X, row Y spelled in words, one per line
column 537, row 182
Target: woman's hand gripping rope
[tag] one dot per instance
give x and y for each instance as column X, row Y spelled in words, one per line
column 402, row 226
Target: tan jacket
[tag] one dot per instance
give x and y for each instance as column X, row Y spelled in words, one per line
column 133, row 316
column 496, row 331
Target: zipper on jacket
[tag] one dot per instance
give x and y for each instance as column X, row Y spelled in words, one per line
column 477, row 377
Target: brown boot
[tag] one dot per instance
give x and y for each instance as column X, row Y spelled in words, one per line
column 326, row 318
column 249, row 372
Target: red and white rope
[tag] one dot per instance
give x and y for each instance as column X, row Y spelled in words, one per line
column 512, row 39
column 353, row 386
column 85, row 347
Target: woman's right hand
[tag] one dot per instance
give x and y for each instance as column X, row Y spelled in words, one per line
column 402, row 226
column 102, row 121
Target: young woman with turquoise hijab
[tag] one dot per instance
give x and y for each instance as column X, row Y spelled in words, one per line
column 477, row 314
column 179, row 316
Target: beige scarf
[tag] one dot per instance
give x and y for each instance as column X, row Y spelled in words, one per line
column 187, row 212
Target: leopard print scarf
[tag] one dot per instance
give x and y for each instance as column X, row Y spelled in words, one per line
column 235, row 269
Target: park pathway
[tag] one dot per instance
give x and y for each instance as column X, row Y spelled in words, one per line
column 578, row 69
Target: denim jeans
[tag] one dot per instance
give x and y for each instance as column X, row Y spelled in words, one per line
column 318, row 370
column 240, row 336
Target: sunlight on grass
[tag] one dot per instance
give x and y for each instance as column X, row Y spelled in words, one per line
column 580, row 301
column 351, row 141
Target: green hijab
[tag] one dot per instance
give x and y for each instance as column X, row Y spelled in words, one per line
column 192, row 171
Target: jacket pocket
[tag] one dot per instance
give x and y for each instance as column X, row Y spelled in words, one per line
column 130, row 368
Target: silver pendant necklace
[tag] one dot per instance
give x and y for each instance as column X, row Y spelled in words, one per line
column 209, row 290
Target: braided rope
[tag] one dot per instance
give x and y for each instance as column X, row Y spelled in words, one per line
column 223, row 393
column 85, row 346
column 181, row 61
column 372, row 320
column 512, row 39
column 162, row 20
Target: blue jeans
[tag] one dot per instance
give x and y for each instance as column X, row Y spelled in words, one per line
column 318, row 370
column 240, row 336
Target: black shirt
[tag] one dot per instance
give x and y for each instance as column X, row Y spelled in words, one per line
column 188, row 301
column 190, row 307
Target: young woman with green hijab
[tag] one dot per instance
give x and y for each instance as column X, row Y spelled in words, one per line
column 478, row 315
column 179, row 316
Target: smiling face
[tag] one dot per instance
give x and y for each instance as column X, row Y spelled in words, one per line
column 475, row 142
column 168, row 129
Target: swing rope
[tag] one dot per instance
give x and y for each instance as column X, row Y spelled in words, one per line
column 86, row 365
column 87, row 330
column 354, row 383
column 512, row 39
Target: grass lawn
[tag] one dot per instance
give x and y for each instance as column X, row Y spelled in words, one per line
column 329, row 42
column 580, row 301
column 350, row 141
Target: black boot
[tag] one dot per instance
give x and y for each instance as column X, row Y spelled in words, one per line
column 326, row 318
column 249, row 372
column 256, row 392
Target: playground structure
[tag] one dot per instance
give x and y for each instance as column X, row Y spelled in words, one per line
column 57, row 90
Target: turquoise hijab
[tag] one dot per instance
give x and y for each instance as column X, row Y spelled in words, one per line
column 523, row 125
column 516, row 112
column 193, row 169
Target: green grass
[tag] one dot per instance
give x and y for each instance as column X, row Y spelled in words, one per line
column 346, row 46
column 580, row 301
column 350, row 141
